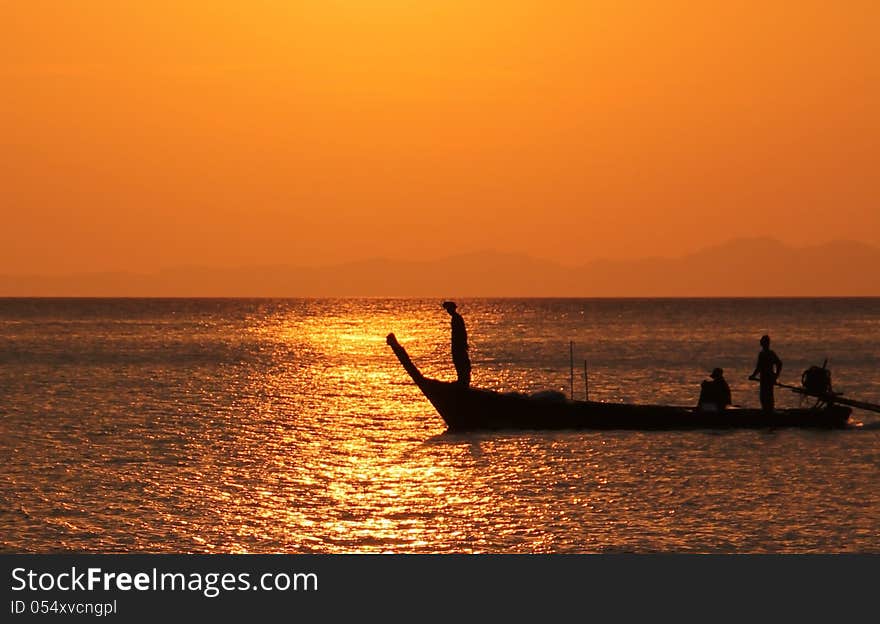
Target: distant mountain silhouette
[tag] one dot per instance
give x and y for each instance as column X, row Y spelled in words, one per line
column 758, row 267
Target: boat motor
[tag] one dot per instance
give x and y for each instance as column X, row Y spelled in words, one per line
column 816, row 380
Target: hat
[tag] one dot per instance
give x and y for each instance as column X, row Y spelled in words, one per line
column 449, row 305
column 717, row 373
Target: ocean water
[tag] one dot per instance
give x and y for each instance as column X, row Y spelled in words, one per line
column 228, row 426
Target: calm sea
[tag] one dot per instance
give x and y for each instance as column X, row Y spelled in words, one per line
column 228, row 426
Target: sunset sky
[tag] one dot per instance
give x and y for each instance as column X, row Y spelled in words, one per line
column 138, row 135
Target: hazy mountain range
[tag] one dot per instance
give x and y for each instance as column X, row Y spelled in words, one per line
column 746, row 267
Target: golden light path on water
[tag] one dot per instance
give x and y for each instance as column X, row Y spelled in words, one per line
column 385, row 494
column 289, row 426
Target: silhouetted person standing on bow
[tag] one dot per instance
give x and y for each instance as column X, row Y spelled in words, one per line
column 767, row 371
column 459, row 345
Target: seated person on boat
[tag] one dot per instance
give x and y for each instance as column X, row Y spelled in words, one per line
column 714, row 393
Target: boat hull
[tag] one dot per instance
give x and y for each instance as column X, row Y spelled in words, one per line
column 470, row 409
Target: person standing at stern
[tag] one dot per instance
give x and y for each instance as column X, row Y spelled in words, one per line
column 767, row 371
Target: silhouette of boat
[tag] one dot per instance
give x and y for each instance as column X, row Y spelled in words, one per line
column 469, row 409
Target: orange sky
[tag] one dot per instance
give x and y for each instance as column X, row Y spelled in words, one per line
column 141, row 135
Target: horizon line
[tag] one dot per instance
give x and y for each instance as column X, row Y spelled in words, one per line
column 440, row 298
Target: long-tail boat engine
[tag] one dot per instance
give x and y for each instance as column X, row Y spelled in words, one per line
column 816, row 380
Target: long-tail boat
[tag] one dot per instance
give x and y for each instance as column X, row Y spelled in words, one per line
column 468, row 409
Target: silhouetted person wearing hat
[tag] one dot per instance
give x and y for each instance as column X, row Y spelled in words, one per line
column 459, row 345
column 715, row 394
column 767, row 371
